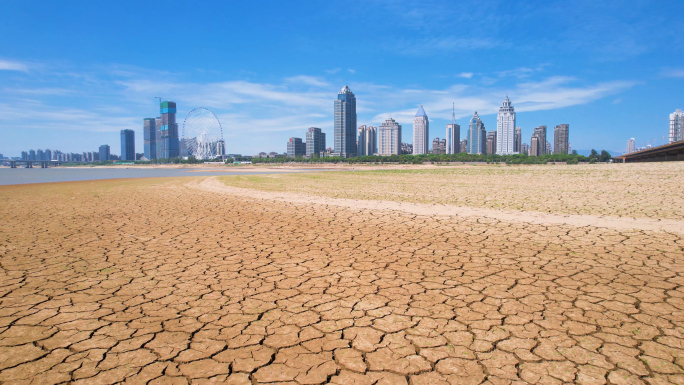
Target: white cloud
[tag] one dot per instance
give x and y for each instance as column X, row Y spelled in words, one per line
column 10, row 65
column 351, row 71
column 308, row 80
column 465, row 75
column 673, row 73
column 332, row 71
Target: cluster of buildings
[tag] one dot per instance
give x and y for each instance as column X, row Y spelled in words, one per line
column 675, row 133
column 102, row 154
column 386, row 139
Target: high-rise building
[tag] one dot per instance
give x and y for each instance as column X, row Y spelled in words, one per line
column 32, row 155
column 549, row 150
column 168, row 142
column 491, row 142
column 295, row 147
column 24, row 155
column 47, row 154
column 517, row 142
column 464, row 146
column 345, row 124
column 676, row 126
column 505, row 129
column 476, row 136
column 534, row 146
column 39, row 154
column 367, row 143
column 150, row 135
column 406, row 148
column 561, row 138
column 438, row 146
column 157, row 125
column 630, row 146
column 315, row 142
column 104, row 153
column 127, row 145
column 421, row 132
column 389, row 138
column 540, row 133
column 525, row 148
column 453, row 134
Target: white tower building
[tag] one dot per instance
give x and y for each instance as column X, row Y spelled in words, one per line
column 630, row 146
column 505, row 129
column 676, row 126
column 389, row 138
column 421, row 130
column 453, row 135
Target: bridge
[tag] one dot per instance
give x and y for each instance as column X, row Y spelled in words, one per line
column 669, row 152
column 30, row 163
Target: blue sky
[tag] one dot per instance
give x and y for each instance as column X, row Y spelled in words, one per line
column 73, row 74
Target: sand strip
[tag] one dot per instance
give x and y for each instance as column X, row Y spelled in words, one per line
column 619, row 223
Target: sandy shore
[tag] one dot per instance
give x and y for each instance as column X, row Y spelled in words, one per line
column 177, row 280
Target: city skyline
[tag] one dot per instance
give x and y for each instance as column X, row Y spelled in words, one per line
column 78, row 87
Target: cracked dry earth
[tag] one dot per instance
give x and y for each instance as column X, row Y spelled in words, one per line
column 154, row 282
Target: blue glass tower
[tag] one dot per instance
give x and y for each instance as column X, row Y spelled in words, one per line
column 150, row 135
column 127, row 145
column 477, row 136
column 168, row 131
column 345, row 124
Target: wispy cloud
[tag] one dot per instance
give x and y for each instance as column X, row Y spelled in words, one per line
column 673, row 73
column 10, row 65
column 465, row 75
column 308, row 80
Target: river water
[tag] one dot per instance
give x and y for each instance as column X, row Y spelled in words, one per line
column 69, row 174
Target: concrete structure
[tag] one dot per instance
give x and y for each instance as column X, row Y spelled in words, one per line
column 676, row 126
column 150, row 138
column 295, row 147
column 453, row 134
column 32, row 154
column 630, row 146
column 549, row 150
column 406, row 148
column 421, row 132
column 525, row 148
column 439, row 146
column 517, row 141
column 534, row 146
column 540, row 134
column 315, row 142
column 168, row 142
column 464, row 146
column 389, row 138
column 367, row 143
column 39, row 154
column 345, row 124
column 476, row 136
column 491, row 142
column 128, row 145
column 104, row 153
column 561, row 139
column 505, row 129
column 669, row 152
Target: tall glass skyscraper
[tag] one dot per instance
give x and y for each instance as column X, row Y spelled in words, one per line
column 104, row 153
column 421, row 132
column 150, row 134
column 453, row 135
column 345, row 124
column 477, row 136
column 168, row 143
column 505, row 129
column 127, row 145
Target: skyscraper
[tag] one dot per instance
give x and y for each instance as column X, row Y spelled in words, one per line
column 39, row 154
column 453, row 134
column 476, row 136
column 315, row 142
column 421, row 132
column 676, row 126
column 127, row 145
column 345, row 124
column 168, row 140
column 32, row 155
column 367, row 143
column 104, row 153
column 389, row 138
column 464, row 146
column 540, row 133
column 491, row 142
column 630, row 146
column 150, row 135
column 505, row 129
column 534, row 145
column 561, row 138
column 295, row 147
column 517, row 142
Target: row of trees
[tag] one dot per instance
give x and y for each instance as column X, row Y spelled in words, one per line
column 444, row 158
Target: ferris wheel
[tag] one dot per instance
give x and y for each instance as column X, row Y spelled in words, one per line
column 203, row 134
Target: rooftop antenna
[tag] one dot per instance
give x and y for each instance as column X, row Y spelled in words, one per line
column 453, row 113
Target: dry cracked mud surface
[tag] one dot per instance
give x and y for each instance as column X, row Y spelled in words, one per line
column 158, row 281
